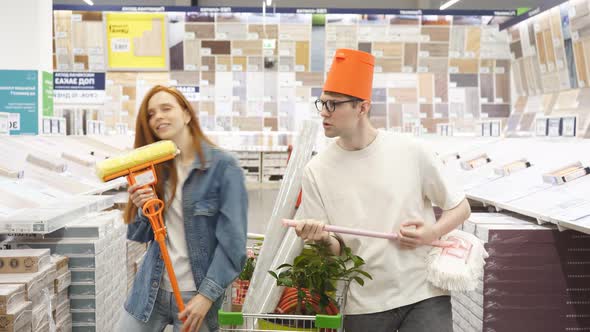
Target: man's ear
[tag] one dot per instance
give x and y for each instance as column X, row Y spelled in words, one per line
column 365, row 107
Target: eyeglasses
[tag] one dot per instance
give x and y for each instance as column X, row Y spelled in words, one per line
column 330, row 105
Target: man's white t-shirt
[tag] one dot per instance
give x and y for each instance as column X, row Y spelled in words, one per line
column 393, row 180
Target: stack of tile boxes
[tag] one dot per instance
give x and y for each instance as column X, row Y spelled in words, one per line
column 534, row 280
column 94, row 246
column 61, row 312
column 34, row 270
column 15, row 311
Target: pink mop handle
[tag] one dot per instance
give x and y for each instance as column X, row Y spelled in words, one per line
column 360, row 232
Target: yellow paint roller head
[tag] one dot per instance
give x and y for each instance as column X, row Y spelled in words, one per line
column 136, row 160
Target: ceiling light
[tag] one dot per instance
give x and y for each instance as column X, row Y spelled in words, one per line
column 89, row 2
column 448, row 4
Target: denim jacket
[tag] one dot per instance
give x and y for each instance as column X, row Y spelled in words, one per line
column 215, row 208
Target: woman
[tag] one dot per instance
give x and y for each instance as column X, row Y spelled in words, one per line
column 206, row 221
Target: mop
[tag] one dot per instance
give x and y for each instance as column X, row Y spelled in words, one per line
column 455, row 262
column 139, row 168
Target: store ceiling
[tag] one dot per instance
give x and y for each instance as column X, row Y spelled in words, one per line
column 406, row 4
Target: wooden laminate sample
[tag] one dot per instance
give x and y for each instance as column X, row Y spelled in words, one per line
column 503, row 87
column 267, row 31
column 442, row 110
column 150, row 42
column 464, row 66
column 410, row 55
column 388, row 65
column 388, row 49
column 496, row 111
column 486, row 87
column 472, row 102
column 549, row 50
column 520, row 104
column 426, row 87
column 297, row 32
column 473, row 40
column 217, row 47
column 403, row 95
column 201, row 31
column 239, row 63
column 457, row 40
column 541, row 48
column 464, row 80
column 255, row 63
column 231, row 31
column 207, row 63
column 434, row 49
column 302, row 55
column 185, row 77
column 427, row 111
column 286, row 63
column 441, row 88
column 434, row 65
column 247, row 47
column 436, row 34
column 192, row 54
column 310, row 78
column 580, row 64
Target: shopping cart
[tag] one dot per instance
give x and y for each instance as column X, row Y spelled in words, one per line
column 235, row 321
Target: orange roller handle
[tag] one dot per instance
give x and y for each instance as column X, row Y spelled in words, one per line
column 153, row 210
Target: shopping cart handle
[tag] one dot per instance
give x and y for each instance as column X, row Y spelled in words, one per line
column 346, row 230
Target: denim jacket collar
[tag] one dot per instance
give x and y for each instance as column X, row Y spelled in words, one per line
column 207, row 153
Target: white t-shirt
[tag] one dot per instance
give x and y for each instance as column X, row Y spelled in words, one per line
column 393, row 180
column 176, row 237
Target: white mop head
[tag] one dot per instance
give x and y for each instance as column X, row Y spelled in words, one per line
column 460, row 267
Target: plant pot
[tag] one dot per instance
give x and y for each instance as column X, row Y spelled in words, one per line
column 288, row 302
column 239, row 291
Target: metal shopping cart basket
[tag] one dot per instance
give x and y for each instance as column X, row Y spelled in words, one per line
column 237, row 321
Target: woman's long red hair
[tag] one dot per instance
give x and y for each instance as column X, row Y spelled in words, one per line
column 144, row 135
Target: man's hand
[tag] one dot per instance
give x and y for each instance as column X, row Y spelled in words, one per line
column 312, row 230
column 194, row 313
column 415, row 233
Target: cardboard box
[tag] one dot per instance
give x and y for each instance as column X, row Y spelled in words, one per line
column 11, row 296
column 23, row 260
column 61, row 263
column 17, row 318
column 34, row 282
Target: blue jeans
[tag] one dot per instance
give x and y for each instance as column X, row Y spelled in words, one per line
column 434, row 314
column 165, row 313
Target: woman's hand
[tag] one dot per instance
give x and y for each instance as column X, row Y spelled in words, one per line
column 194, row 313
column 140, row 195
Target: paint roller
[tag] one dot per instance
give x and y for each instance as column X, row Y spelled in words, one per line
column 139, row 168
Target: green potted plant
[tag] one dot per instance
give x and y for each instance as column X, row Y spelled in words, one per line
column 311, row 282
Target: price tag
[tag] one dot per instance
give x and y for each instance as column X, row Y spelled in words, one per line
column 221, row 35
column 284, row 36
column 252, row 36
column 120, row 45
column 499, row 70
column 78, row 51
column 95, row 51
column 221, row 67
column 378, row 53
column 299, row 68
column 425, row 38
column 284, row 52
column 422, row 69
column 236, row 51
column 298, row 83
column 205, row 68
column 438, row 100
column 470, row 54
column 484, row 70
column 61, row 51
column 484, row 100
column 423, row 54
column 268, row 52
column 454, row 54
column 550, row 66
column 76, row 18
column 378, row 69
column 61, row 34
column 407, row 69
column 391, row 99
column 205, row 51
column 284, row 68
column 189, row 35
column 422, row 100
column 78, row 66
column 453, row 70
column 190, row 67
column 237, row 68
column 204, row 83
column 499, row 100
column 252, row 68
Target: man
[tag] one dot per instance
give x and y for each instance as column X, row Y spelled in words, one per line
column 378, row 181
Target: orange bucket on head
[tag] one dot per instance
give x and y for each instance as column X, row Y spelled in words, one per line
column 351, row 74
